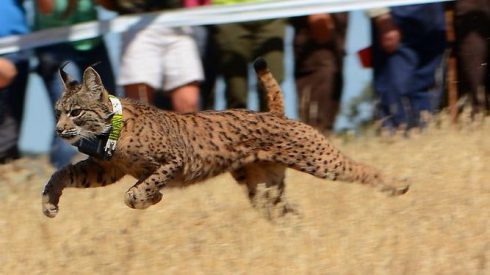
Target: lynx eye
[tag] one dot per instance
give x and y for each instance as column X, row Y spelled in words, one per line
column 75, row 112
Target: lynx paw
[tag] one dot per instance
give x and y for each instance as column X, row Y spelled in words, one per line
column 400, row 189
column 138, row 200
column 49, row 210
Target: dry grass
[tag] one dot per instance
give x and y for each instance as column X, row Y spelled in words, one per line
column 441, row 226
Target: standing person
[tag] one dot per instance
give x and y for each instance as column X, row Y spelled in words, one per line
column 156, row 57
column 82, row 54
column 14, row 70
column 319, row 49
column 472, row 25
column 408, row 45
column 240, row 43
column 207, row 51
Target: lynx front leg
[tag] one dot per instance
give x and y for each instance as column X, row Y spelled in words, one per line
column 146, row 192
column 85, row 174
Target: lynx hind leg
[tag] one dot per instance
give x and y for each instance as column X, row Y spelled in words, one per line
column 266, row 188
column 310, row 152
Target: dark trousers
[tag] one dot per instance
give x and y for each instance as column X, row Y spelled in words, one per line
column 318, row 73
column 207, row 51
column 472, row 25
column 319, row 93
column 12, row 108
column 405, row 80
column 239, row 44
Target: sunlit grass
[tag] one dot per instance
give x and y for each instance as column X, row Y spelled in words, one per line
column 441, row 226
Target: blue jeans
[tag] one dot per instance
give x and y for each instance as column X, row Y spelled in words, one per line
column 50, row 59
column 405, row 80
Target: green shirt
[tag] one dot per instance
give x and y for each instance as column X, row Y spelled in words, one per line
column 83, row 12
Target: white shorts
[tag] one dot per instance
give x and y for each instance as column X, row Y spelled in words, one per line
column 164, row 58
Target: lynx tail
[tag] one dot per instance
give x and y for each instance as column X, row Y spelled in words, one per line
column 275, row 100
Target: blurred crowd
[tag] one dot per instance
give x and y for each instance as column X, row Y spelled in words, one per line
column 176, row 68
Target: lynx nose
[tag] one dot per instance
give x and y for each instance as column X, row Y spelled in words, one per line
column 59, row 130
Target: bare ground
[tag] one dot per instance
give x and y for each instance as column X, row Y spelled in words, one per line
column 441, row 226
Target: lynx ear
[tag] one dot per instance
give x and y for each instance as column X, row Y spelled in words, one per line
column 93, row 84
column 65, row 78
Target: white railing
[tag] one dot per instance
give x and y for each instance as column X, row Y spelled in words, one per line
column 194, row 16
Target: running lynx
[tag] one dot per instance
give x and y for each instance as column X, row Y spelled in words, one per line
column 162, row 149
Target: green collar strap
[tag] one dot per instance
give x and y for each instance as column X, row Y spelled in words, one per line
column 117, row 123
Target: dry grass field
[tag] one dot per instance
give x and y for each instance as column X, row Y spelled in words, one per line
column 441, row 226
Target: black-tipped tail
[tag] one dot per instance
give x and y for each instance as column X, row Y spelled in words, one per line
column 260, row 64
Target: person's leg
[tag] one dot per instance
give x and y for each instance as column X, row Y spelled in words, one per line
column 140, row 91
column 472, row 54
column 185, row 99
column 141, row 73
column 12, row 108
column 234, row 53
column 182, row 72
column 487, row 76
column 269, row 44
column 303, row 69
column 392, row 75
column 209, row 62
column 8, row 71
column 318, row 73
column 49, row 60
column 16, row 92
column 317, row 93
column 422, row 88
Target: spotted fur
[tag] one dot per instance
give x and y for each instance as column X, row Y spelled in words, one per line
column 162, row 149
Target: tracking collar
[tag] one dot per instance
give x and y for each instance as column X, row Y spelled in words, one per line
column 116, row 122
column 104, row 145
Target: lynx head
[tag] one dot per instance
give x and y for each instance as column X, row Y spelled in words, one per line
column 83, row 109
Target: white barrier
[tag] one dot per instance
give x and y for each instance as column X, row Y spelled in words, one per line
column 195, row 16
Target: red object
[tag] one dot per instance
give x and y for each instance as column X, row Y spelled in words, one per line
column 366, row 57
column 196, row 3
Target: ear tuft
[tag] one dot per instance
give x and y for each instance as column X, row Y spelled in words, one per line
column 65, row 78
